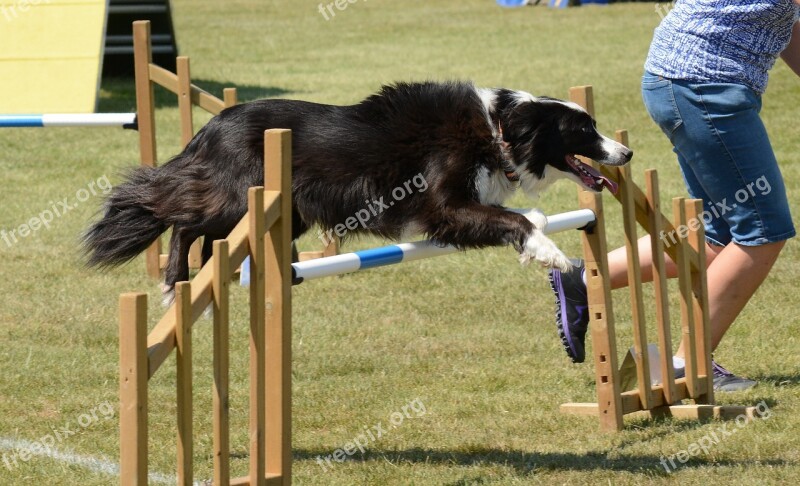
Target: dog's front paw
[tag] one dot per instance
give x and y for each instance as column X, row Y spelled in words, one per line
column 536, row 217
column 540, row 248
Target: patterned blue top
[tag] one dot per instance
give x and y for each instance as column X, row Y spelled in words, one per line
column 731, row 41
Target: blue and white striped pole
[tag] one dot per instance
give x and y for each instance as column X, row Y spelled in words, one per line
column 123, row 120
column 404, row 252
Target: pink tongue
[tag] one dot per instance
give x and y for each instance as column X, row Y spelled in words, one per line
column 611, row 185
column 608, row 183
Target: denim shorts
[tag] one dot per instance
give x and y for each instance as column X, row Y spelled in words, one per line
column 725, row 157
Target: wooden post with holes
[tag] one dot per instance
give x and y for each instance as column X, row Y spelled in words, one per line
column 278, row 293
column 601, row 317
column 601, row 314
column 145, row 117
column 133, row 389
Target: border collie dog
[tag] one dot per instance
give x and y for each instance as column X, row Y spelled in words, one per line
column 467, row 150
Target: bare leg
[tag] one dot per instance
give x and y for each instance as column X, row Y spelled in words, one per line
column 733, row 278
column 618, row 263
column 734, row 273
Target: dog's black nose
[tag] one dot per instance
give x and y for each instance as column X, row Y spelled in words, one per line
column 627, row 154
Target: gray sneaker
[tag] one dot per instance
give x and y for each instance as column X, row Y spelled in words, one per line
column 724, row 380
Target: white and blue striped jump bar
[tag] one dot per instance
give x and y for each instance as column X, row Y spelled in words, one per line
column 404, row 252
column 124, row 120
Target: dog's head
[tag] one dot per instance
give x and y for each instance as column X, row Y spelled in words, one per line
column 544, row 136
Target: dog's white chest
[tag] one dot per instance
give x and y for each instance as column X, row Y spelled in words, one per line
column 493, row 187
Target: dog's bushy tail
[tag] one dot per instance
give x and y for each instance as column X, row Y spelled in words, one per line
column 130, row 223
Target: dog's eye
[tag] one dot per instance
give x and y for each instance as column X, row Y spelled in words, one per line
column 587, row 129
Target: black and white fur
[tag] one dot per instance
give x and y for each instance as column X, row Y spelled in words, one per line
column 474, row 147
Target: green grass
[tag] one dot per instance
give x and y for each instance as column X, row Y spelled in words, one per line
column 470, row 335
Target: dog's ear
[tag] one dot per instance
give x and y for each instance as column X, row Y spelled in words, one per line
column 527, row 121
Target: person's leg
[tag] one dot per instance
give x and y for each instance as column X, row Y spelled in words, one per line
column 728, row 292
column 618, row 262
column 733, row 278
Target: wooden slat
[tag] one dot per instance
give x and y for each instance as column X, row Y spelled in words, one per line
column 257, row 351
column 310, row 255
column 663, row 322
column 271, row 480
column 681, row 412
column 583, row 96
column 207, row 101
column 332, row 248
column 697, row 240
column 229, row 97
column 145, row 117
column 278, row 337
column 163, row 77
column 635, row 278
column 185, row 99
column 685, row 286
column 183, row 330
column 161, row 340
column 133, row 389
column 220, row 398
column 706, row 412
column 187, row 132
column 200, row 97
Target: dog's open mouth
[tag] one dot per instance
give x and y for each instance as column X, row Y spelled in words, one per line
column 590, row 177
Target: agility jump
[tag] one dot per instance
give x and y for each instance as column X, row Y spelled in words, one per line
column 264, row 235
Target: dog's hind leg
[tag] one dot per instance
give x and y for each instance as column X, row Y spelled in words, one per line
column 208, row 248
column 178, row 264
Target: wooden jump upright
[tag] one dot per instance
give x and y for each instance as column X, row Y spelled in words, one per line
column 149, row 75
column 688, row 252
column 264, row 235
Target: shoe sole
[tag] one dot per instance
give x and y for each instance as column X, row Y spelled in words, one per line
column 561, row 310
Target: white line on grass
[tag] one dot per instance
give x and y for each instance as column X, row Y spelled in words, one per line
column 98, row 465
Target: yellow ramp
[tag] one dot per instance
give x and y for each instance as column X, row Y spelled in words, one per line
column 50, row 55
